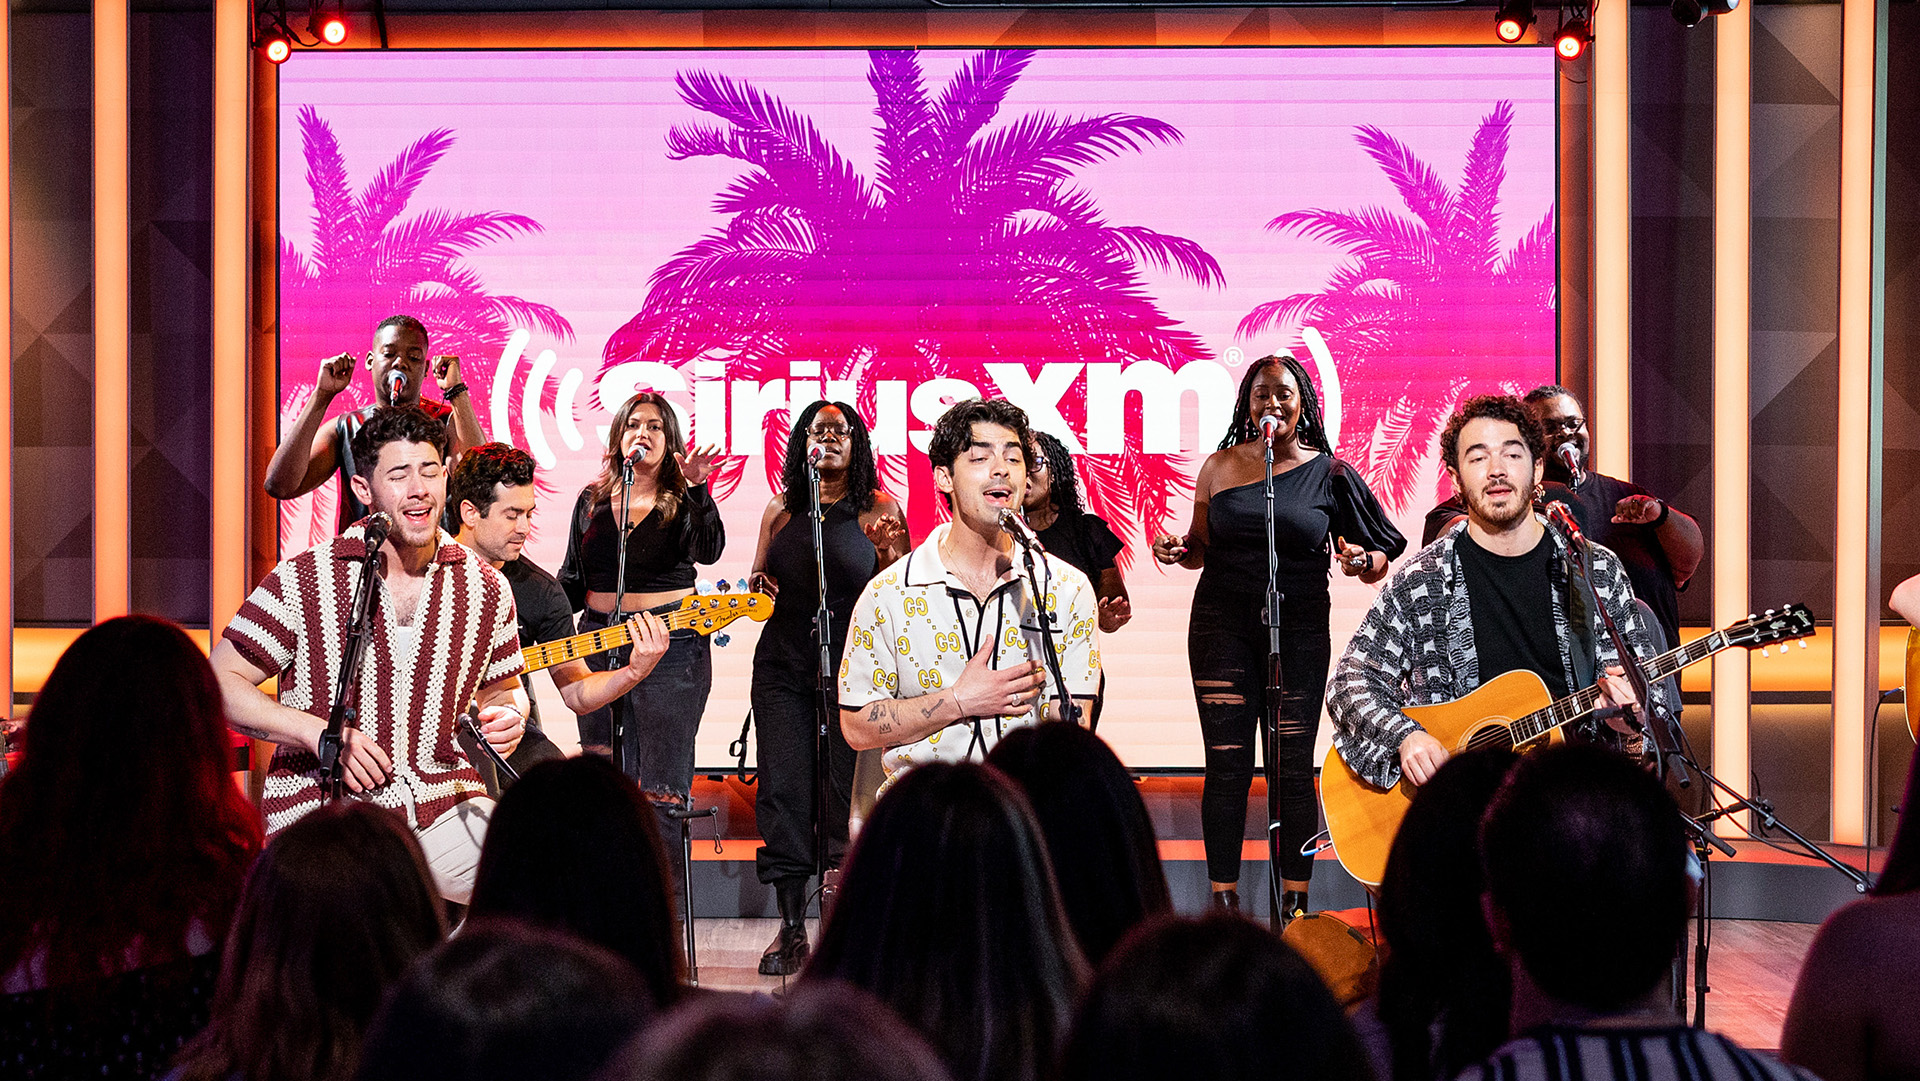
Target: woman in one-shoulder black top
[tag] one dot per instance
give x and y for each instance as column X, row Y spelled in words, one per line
column 863, row 531
column 1321, row 507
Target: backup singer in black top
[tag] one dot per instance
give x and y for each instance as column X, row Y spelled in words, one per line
column 863, row 531
column 1070, row 531
column 674, row 524
column 1321, row 506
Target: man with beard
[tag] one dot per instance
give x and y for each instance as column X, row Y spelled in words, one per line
column 1490, row 596
column 310, row 453
column 441, row 636
column 1660, row 545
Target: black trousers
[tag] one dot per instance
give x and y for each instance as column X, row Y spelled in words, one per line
column 1227, row 651
column 783, row 720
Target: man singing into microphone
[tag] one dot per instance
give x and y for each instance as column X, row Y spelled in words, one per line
column 1490, row 596
column 310, row 453
column 945, row 652
column 441, row 635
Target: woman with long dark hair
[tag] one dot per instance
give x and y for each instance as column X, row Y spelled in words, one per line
column 1322, row 509
column 1834, row 1027
column 948, row 913
column 863, row 530
column 1070, row 531
column 574, row 846
column 672, row 523
column 124, row 845
column 1099, row 836
column 335, row 910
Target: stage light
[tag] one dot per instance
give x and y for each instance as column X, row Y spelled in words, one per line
column 328, row 27
column 277, row 48
column 1692, row 12
column 1511, row 21
column 1572, row 40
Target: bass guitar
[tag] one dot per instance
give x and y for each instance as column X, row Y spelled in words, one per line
column 702, row 612
column 1511, row 710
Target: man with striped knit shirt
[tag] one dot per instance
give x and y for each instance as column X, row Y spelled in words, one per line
column 442, row 634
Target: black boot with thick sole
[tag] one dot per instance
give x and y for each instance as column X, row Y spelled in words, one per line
column 788, row 951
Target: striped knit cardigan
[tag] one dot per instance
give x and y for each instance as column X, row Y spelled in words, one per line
column 465, row 637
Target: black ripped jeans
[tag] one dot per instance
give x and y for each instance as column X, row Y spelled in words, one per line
column 1227, row 651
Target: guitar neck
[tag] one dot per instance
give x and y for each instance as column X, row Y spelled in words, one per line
column 548, row 654
column 1583, row 702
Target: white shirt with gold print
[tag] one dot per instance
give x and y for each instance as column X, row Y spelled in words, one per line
column 915, row 626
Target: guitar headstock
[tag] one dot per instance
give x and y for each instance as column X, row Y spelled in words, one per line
column 708, row 612
column 1773, row 625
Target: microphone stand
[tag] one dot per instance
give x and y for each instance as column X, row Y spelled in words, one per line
column 824, row 695
column 1270, row 709
column 617, row 737
column 346, row 697
column 1069, row 709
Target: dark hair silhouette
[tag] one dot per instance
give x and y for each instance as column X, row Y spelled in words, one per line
column 1444, row 992
column 862, row 477
column 822, row 1031
column 1099, row 837
column 1902, row 872
column 1244, row 429
column 574, row 846
column 396, row 424
column 503, row 1001
column 477, row 472
column 1063, row 489
column 1578, row 838
column 953, row 432
column 1548, row 390
column 948, row 913
column 1219, row 998
column 122, row 827
column 407, row 322
column 1491, row 407
column 335, row 910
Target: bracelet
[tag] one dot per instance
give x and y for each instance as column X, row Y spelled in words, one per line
column 1666, row 508
column 453, row 391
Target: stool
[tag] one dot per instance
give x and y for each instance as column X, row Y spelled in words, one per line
column 685, row 816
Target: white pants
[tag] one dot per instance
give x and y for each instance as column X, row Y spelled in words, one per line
column 452, row 845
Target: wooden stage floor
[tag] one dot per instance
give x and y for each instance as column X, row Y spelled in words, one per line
column 1750, row 972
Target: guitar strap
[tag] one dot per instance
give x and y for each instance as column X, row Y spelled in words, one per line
column 1580, row 621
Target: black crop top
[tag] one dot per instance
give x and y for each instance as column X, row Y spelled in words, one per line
column 660, row 555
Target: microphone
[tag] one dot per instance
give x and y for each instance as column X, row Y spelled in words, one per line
column 1021, row 531
column 1569, row 455
column 639, row 455
column 396, row 384
column 378, row 525
column 1559, row 515
column 1269, row 424
column 815, row 454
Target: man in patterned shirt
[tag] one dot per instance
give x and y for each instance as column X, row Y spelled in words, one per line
column 1490, row 596
column 442, row 635
column 944, row 652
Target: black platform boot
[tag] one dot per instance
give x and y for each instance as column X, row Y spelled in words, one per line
column 1293, row 903
column 1225, row 901
column 788, row 951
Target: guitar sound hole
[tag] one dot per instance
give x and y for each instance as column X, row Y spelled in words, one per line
column 1496, row 735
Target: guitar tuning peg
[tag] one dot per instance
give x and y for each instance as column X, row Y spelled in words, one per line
column 742, row 586
column 1763, row 651
column 1803, row 643
column 702, row 586
column 721, row 640
column 1751, row 617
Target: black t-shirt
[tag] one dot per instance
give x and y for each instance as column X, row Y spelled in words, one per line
column 1084, row 540
column 545, row 615
column 1511, row 598
column 1637, row 546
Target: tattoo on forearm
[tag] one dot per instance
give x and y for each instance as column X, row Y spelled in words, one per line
column 249, row 731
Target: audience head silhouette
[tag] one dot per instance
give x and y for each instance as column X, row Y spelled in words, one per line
column 574, row 846
column 948, row 913
column 1098, row 834
column 504, row 1001
column 1219, row 998
column 335, row 910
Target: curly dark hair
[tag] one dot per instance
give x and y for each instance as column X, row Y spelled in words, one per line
column 1064, row 490
column 407, row 321
column 862, row 477
column 396, row 424
column 1491, row 407
column 954, row 430
column 482, row 467
column 1244, row 429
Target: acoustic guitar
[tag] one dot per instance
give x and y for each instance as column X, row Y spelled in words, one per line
column 1511, row 710
column 1912, row 682
column 702, row 612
